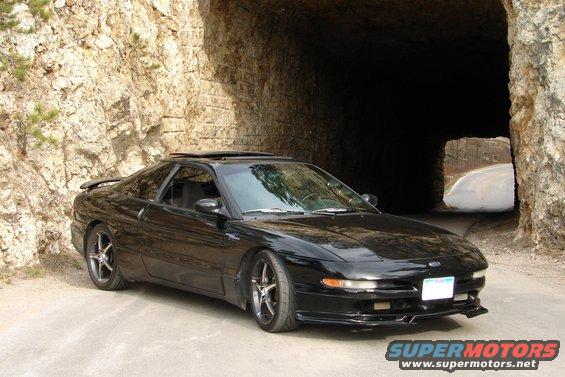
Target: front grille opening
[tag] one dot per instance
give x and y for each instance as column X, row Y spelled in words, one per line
column 415, row 305
column 397, row 285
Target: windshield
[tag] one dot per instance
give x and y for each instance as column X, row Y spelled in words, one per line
column 289, row 187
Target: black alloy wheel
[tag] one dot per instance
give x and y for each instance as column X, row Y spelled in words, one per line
column 273, row 301
column 102, row 260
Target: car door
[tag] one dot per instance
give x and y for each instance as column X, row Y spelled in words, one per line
column 182, row 245
column 131, row 198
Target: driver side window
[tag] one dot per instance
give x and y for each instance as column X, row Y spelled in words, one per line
column 145, row 183
column 188, row 186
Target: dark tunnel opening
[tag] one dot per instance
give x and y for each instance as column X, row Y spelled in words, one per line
column 394, row 81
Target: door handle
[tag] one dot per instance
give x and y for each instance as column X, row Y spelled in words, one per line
column 141, row 213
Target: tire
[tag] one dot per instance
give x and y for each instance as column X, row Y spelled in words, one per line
column 274, row 308
column 102, row 266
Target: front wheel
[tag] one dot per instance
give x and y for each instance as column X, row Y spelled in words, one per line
column 273, row 301
column 102, row 260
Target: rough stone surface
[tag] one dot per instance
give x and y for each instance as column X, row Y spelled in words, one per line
column 537, row 126
column 237, row 84
column 219, row 75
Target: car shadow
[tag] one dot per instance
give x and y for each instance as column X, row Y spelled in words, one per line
column 191, row 302
column 225, row 312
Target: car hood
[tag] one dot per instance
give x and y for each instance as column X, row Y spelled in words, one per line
column 370, row 237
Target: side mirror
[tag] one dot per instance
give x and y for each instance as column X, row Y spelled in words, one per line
column 371, row 199
column 208, row 206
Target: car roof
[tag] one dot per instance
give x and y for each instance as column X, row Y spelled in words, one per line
column 223, row 157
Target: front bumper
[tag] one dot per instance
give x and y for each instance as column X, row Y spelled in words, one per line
column 340, row 307
column 401, row 290
column 471, row 310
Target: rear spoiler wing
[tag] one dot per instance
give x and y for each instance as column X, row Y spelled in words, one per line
column 95, row 183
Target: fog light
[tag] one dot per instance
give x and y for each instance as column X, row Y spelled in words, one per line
column 461, row 297
column 479, row 274
column 353, row 284
column 385, row 305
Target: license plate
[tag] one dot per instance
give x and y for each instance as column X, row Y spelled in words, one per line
column 437, row 288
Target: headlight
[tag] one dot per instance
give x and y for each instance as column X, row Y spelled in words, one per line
column 354, row 284
column 479, row 274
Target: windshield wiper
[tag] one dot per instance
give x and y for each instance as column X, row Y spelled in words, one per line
column 335, row 210
column 275, row 211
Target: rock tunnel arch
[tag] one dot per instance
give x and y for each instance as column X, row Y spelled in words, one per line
column 370, row 90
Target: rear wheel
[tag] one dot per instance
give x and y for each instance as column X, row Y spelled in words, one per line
column 102, row 261
column 273, row 302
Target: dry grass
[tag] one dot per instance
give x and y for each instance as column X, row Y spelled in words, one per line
column 60, row 262
column 50, row 264
column 33, row 272
column 6, row 275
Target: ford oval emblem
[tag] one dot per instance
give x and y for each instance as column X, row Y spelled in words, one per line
column 434, row 263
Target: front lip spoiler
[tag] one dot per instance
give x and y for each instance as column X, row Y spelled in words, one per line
column 478, row 311
column 370, row 320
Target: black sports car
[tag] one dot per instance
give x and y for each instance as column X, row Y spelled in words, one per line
column 279, row 235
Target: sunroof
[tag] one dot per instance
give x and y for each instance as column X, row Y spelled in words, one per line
column 218, row 154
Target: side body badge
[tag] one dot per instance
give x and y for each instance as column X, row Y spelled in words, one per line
column 233, row 236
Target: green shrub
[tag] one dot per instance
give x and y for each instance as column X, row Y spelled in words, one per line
column 30, row 125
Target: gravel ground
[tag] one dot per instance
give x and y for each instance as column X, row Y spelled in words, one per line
column 495, row 236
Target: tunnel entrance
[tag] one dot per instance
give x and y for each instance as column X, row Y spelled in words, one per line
column 370, row 90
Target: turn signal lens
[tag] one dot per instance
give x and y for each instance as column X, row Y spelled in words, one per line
column 354, row 284
column 479, row 274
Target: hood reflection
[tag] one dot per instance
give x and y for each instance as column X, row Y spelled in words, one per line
column 367, row 237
